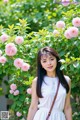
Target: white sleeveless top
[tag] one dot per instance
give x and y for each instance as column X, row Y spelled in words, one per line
column 48, row 90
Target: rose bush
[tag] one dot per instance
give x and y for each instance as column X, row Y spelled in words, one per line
column 47, row 24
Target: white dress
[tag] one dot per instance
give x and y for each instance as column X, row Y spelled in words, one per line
column 48, row 89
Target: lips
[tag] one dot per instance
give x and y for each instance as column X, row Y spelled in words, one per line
column 50, row 67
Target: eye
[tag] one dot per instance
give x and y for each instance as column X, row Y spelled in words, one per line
column 52, row 58
column 43, row 61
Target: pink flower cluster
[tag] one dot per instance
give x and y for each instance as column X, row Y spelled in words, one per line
column 13, row 89
column 19, row 40
column 76, row 22
column 18, row 114
column 60, row 24
column 3, row 59
column 71, row 32
column 10, row 49
column 29, row 91
column 18, row 63
column 4, row 38
column 65, row 2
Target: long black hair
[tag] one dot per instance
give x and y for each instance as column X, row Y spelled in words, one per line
column 41, row 72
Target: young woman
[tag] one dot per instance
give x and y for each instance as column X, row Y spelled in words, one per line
column 44, row 87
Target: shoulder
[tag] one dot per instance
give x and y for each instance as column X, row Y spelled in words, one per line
column 67, row 78
column 34, row 81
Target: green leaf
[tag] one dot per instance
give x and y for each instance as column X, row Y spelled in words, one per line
column 19, row 103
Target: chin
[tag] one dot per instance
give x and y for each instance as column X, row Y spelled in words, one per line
column 50, row 70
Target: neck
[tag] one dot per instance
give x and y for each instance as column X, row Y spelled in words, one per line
column 51, row 74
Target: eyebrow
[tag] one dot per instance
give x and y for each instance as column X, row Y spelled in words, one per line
column 49, row 57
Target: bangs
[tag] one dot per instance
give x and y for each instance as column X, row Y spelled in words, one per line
column 45, row 54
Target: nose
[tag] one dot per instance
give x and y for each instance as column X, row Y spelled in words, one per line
column 49, row 62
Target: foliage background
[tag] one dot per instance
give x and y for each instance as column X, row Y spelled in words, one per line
column 35, row 20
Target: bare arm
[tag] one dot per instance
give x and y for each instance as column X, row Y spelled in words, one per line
column 34, row 102
column 67, row 108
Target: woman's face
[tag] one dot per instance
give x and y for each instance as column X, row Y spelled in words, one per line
column 49, row 62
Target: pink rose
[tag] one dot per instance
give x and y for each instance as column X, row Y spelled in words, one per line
column 11, row 52
column 76, row 22
column 10, row 49
column 19, row 40
column 0, row 52
column 65, row 2
column 13, row 86
column 16, row 92
column 29, row 91
column 56, row 33
column 60, row 24
column 67, row 35
column 3, row 59
column 11, row 91
column 73, row 31
column 5, row 1
column 18, row 62
column 25, row 67
column 18, row 114
column 10, row 45
column 4, row 37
